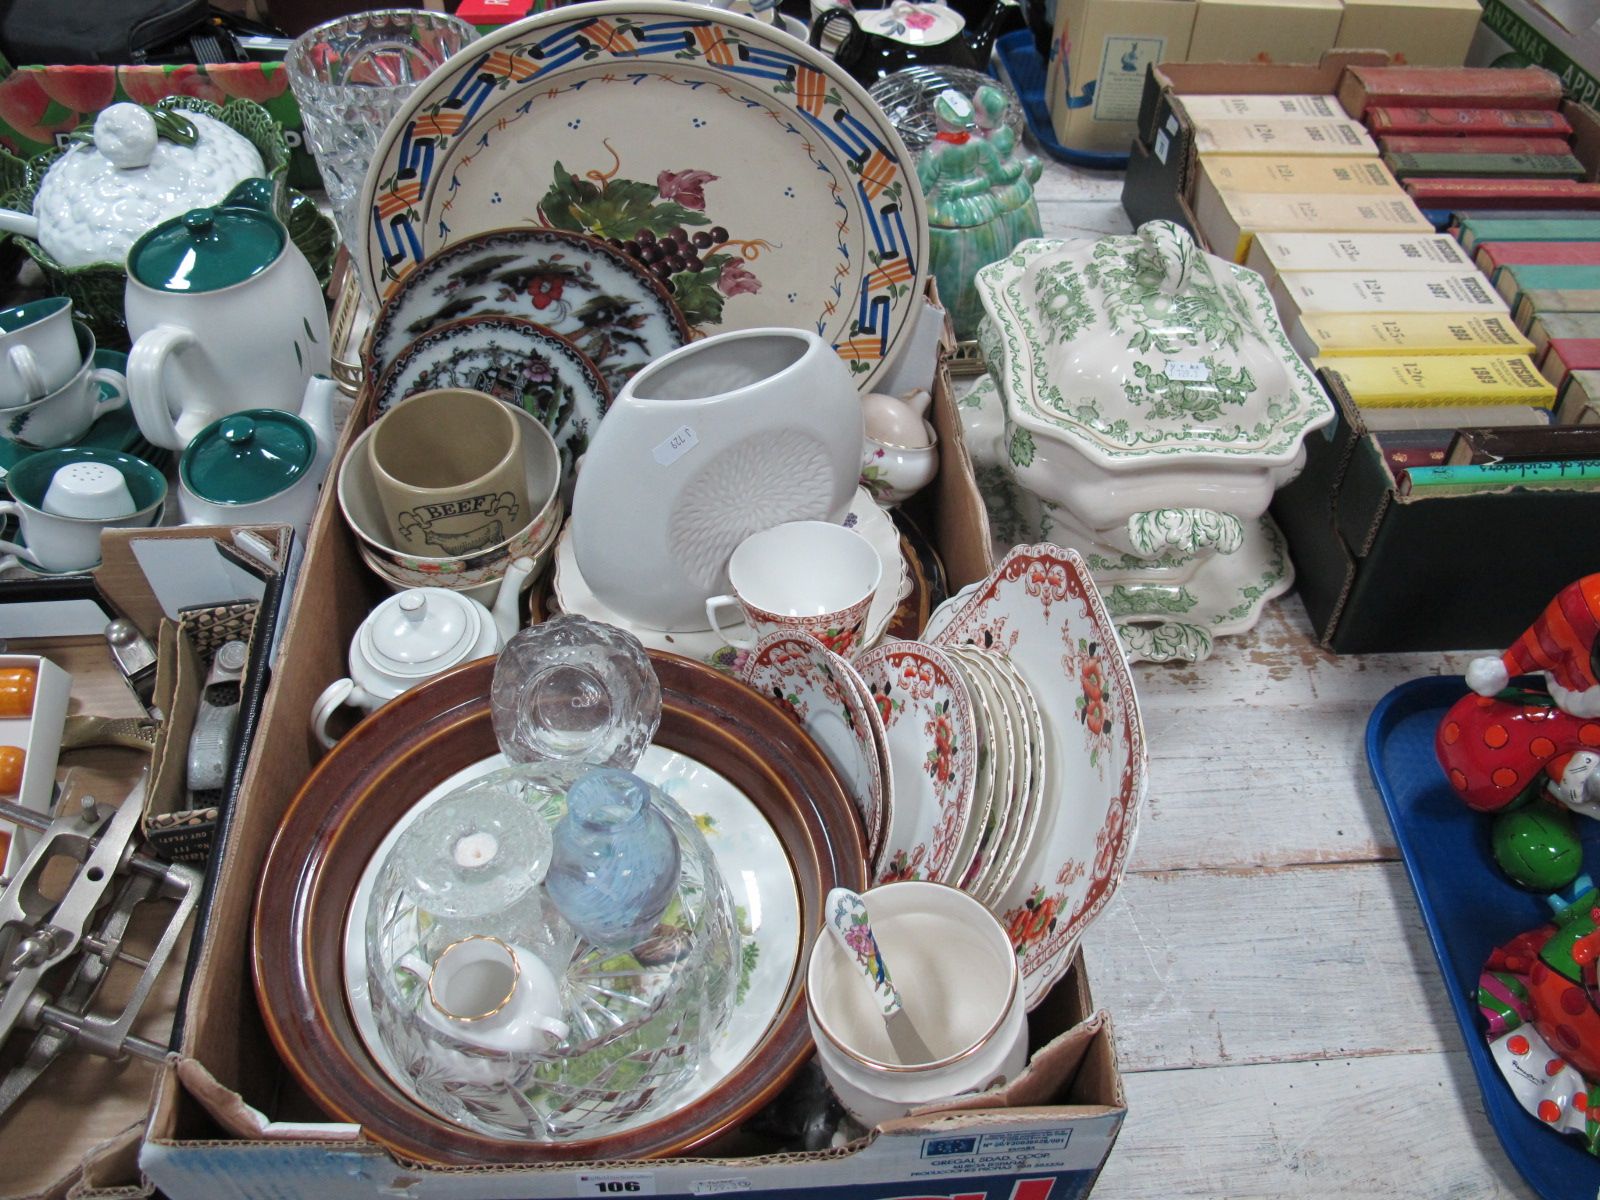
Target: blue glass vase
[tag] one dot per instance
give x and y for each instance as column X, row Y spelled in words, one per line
column 615, row 863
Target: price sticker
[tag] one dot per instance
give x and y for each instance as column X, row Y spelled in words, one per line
column 641, row 1183
column 1187, row 372
column 678, row 443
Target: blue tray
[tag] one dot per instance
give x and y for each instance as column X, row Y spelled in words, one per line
column 1469, row 908
column 1023, row 67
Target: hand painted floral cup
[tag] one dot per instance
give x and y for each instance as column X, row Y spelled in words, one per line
column 38, row 350
column 812, row 576
column 66, row 414
column 958, row 981
column 59, row 544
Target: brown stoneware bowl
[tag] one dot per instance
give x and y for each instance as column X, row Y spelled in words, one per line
column 394, row 758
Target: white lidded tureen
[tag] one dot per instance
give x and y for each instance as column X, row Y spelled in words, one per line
column 1145, row 404
column 140, row 167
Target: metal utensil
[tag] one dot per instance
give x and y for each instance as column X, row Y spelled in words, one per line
column 847, row 918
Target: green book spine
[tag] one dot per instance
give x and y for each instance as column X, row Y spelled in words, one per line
column 1495, row 166
column 1466, row 477
column 1516, row 280
column 1531, row 229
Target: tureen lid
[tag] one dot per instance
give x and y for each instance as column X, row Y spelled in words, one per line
column 138, row 167
column 421, row 632
column 207, row 249
column 248, row 456
column 1142, row 347
column 914, row 24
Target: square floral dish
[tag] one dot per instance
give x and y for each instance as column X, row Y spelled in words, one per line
column 1042, row 611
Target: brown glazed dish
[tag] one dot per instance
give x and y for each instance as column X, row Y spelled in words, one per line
column 388, row 763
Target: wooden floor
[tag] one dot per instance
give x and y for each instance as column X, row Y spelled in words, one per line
column 1279, row 1018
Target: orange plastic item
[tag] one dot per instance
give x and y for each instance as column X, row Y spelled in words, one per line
column 11, row 758
column 17, row 685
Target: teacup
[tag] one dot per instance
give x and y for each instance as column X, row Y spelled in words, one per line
column 958, row 980
column 38, row 350
column 59, row 544
column 492, row 995
column 448, row 468
column 808, row 575
column 66, row 414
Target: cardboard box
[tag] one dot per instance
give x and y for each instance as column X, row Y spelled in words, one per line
column 1168, row 134
column 1099, row 56
column 229, row 1121
column 78, row 1130
column 1382, row 573
column 1422, row 33
column 1283, row 31
column 1559, row 35
column 39, row 106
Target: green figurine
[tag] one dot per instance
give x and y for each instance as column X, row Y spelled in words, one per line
column 980, row 196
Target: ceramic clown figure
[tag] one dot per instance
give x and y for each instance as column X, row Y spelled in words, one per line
column 1563, row 645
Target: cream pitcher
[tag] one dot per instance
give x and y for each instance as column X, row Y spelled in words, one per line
column 225, row 315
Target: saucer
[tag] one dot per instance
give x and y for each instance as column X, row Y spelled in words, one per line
column 807, row 682
column 933, row 758
column 572, row 594
column 115, row 430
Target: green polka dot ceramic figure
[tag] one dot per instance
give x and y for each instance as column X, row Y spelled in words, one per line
column 980, row 197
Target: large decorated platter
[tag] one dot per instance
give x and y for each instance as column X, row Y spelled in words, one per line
column 746, row 172
column 751, row 857
column 1042, row 611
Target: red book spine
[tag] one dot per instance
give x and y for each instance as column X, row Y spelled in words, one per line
column 1504, row 193
column 1444, row 144
column 1571, row 354
column 1459, row 121
column 1460, row 87
column 1497, row 254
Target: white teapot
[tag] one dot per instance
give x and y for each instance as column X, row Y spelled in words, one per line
column 413, row 636
column 225, row 314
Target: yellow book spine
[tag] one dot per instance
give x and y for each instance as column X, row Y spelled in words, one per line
column 1342, row 335
column 1302, row 174
column 1430, row 381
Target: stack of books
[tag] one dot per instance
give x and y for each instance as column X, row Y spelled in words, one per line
column 1546, row 266
column 1472, row 137
column 1289, row 164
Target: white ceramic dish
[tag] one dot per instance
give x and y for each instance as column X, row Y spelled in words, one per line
column 752, row 860
column 803, row 678
column 590, row 293
column 933, row 758
column 622, row 116
column 1041, row 609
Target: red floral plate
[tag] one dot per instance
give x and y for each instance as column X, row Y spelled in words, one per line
column 1042, row 610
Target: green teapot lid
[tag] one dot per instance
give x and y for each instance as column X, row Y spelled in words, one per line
column 206, row 249
column 248, row 456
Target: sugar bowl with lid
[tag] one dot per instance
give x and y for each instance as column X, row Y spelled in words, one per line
column 411, row 637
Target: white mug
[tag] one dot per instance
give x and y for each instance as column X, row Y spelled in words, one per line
column 958, row 980
column 66, row 414
column 38, row 350
column 812, row 576
column 492, row 995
